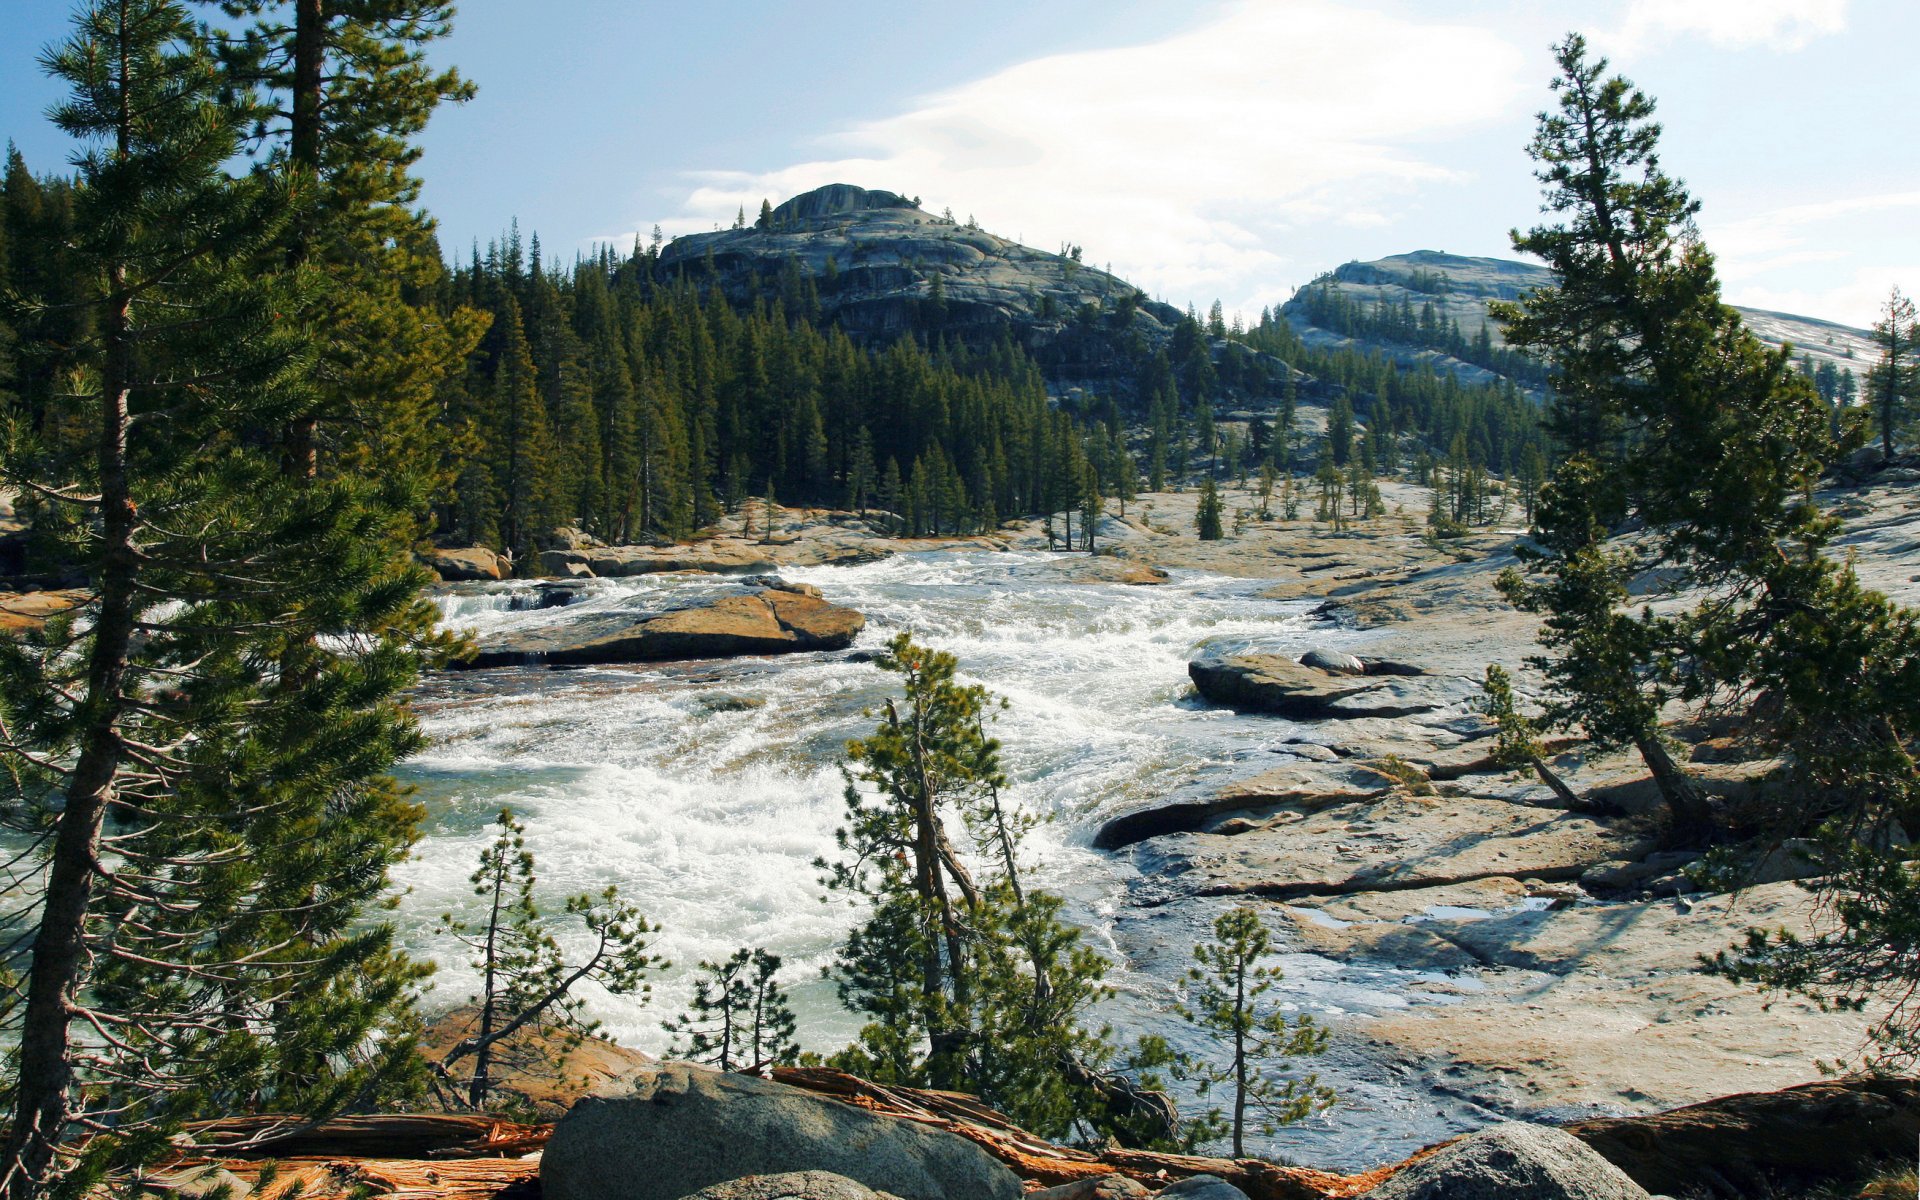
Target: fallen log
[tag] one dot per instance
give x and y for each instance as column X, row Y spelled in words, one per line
column 1034, row 1158
column 388, row 1136
column 403, row 1179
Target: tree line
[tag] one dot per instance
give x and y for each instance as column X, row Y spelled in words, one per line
column 636, row 404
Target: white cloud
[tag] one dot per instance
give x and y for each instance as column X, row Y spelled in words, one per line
column 1184, row 162
column 1762, row 237
column 1757, row 254
column 1857, row 300
column 1776, row 24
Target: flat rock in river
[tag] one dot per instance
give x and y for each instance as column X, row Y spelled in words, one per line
column 1398, row 841
column 1272, row 683
column 770, row 621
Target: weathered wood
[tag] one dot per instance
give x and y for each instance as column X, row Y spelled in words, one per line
column 1730, row 1146
column 394, row 1136
column 403, row 1179
column 1034, row 1158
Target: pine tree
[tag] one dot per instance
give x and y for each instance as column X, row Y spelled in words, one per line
column 337, row 92
column 969, row 985
column 525, row 978
column 1225, row 1001
column 1206, row 519
column 1895, row 377
column 1516, row 742
column 218, row 717
column 1340, row 431
column 740, row 1019
column 522, row 443
column 1633, row 317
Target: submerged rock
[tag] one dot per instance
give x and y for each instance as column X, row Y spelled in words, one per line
column 682, row 1128
column 1511, row 1162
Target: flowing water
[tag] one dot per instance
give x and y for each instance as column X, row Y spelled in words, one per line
column 706, row 791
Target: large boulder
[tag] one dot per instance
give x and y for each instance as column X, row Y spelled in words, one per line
column 791, row 1185
column 21, row 612
column 1201, row 1187
column 466, row 563
column 566, row 564
column 1511, row 1162
column 683, row 1128
column 770, row 621
column 1750, row 1144
column 1097, row 1187
column 1272, row 683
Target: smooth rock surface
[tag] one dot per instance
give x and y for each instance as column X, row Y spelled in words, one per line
column 1100, row 1187
column 466, row 563
column 682, row 1128
column 771, row 621
column 1275, row 684
column 23, row 611
column 791, row 1185
column 1511, row 1162
column 1817, row 1133
column 1333, row 662
column 1201, row 1187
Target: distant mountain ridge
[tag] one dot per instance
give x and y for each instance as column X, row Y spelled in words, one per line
column 878, row 266
column 1369, row 305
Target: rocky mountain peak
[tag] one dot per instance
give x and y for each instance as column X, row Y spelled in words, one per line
column 837, row 199
column 877, row 266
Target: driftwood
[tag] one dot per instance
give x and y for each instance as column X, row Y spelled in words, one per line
column 397, row 1136
column 1735, row 1146
column 406, row 1179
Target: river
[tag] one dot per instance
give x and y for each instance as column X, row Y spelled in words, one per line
column 707, row 790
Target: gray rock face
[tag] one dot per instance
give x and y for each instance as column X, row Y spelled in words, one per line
column 1460, row 288
column 1202, row 1187
column 835, row 199
column 1100, row 1187
column 1274, row 684
column 1512, row 1162
column 791, row 1185
column 880, row 267
column 684, row 1128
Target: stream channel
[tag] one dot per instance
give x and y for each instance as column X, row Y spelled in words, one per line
column 706, row 790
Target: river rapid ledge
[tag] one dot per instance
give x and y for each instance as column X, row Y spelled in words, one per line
column 1479, row 952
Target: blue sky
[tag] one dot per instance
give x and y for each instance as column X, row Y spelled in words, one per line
column 1230, row 149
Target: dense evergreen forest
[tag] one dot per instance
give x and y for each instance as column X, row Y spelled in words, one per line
column 635, row 403
column 1407, row 412
column 642, row 405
